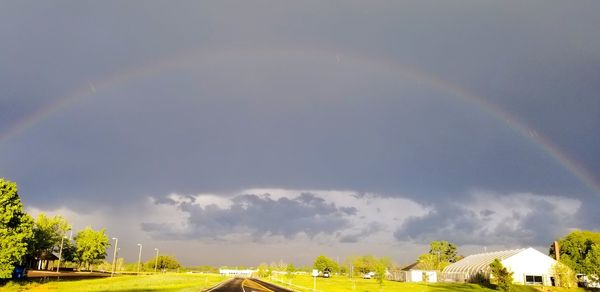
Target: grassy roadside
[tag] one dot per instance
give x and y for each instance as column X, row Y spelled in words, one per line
column 338, row 284
column 159, row 282
column 304, row 283
column 197, row 282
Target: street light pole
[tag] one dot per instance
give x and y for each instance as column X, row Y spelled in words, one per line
column 114, row 267
column 156, row 260
column 139, row 258
column 62, row 241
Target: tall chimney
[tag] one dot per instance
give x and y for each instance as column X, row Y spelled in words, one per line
column 556, row 251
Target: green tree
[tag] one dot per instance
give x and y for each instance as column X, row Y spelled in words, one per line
column 577, row 252
column 104, row 266
column 91, row 246
column 343, row 269
column 289, row 271
column 69, row 253
column 47, row 235
column 428, row 261
column 364, row 264
column 264, row 270
column 441, row 254
column 323, row 263
column 502, row 276
column 15, row 228
column 380, row 270
column 446, row 251
column 165, row 262
column 592, row 262
column 563, row 275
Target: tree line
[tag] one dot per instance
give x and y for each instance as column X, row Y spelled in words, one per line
column 35, row 242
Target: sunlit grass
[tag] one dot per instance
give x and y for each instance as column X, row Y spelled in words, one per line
column 198, row 282
column 304, row 283
column 335, row 284
column 159, row 282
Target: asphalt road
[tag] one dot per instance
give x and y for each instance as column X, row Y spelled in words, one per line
column 246, row 285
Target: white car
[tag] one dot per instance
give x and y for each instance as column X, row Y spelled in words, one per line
column 367, row 276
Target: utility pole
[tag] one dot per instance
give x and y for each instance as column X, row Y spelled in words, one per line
column 156, row 260
column 139, row 258
column 62, row 241
column 114, row 267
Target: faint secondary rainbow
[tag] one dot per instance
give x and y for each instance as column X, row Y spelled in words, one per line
column 194, row 57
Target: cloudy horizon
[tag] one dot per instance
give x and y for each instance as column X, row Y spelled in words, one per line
column 281, row 131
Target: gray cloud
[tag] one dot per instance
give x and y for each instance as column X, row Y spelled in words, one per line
column 486, row 213
column 309, row 121
column 370, row 229
column 258, row 216
column 519, row 220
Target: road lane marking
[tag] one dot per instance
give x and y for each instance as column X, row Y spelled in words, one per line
column 255, row 285
column 219, row 285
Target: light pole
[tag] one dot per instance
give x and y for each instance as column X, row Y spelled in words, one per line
column 139, row 258
column 156, row 260
column 62, row 241
column 115, row 256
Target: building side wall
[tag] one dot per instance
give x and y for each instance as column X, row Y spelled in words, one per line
column 417, row 276
column 530, row 262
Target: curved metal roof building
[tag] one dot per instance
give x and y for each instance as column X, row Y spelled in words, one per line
column 480, row 263
column 527, row 265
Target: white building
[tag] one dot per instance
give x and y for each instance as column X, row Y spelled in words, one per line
column 528, row 265
column 237, row 273
column 417, row 273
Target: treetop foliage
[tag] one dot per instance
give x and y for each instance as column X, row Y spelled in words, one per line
column 365, row 264
column 502, row 276
column 264, row 270
column 91, row 245
column 15, row 228
column 565, row 277
column 47, row 234
column 290, row 270
column 441, row 254
column 163, row 262
column 445, row 250
column 580, row 250
column 323, row 263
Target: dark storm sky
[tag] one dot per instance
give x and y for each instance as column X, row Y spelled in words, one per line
column 280, row 122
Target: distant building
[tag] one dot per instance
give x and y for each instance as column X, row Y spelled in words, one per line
column 529, row 267
column 47, row 261
column 416, row 272
column 236, row 273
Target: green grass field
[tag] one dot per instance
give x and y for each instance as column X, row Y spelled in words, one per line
column 198, row 282
column 160, row 282
column 304, row 283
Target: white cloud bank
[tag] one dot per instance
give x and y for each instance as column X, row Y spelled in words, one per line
column 256, row 225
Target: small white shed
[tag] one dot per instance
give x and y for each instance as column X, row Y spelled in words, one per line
column 417, row 273
column 529, row 266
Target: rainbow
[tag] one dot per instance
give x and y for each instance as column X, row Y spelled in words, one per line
column 194, row 57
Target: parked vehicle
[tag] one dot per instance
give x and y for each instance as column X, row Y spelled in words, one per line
column 20, row 272
column 585, row 281
column 326, row 274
